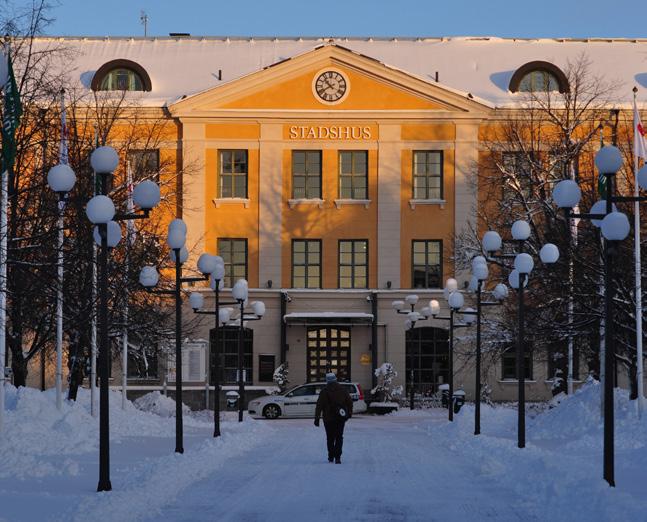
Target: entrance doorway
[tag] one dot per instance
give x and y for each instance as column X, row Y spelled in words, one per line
column 328, row 351
column 427, row 359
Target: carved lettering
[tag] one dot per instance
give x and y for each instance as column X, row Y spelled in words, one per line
column 332, row 132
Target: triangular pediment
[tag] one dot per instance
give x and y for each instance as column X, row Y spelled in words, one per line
column 329, row 78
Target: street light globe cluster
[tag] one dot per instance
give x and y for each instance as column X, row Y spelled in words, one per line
column 614, row 225
column 100, row 209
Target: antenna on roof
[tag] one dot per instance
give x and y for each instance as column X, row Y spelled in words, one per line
column 143, row 19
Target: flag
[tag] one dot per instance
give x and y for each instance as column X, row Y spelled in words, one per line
column 640, row 151
column 10, row 116
column 130, row 225
column 602, row 182
column 62, row 152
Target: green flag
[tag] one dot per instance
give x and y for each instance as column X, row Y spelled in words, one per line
column 10, row 117
column 602, row 186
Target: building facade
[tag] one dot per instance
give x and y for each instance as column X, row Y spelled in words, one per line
column 334, row 175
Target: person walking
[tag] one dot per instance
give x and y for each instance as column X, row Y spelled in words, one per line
column 336, row 406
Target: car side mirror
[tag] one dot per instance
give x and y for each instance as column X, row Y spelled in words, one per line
column 290, row 394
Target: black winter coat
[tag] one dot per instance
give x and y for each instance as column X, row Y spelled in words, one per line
column 331, row 398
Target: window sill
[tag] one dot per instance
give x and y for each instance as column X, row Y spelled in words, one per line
column 231, row 201
column 515, row 381
column 340, row 202
column 575, row 381
column 440, row 202
column 306, row 201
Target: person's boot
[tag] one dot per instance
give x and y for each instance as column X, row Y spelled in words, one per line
column 337, row 460
column 330, row 459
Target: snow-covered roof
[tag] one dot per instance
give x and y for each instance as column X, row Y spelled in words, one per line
column 318, row 316
column 481, row 66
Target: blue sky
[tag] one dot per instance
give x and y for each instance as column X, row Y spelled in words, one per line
column 545, row 18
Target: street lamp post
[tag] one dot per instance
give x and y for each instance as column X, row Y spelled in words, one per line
column 500, row 292
column 455, row 300
column 240, row 293
column 615, row 227
column 148, row 278
column 213, row 267
column 400, row 307
column 61, row 179
column 518, row 279
column 101, row 212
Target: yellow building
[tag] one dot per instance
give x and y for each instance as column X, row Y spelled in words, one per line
column 334, row 175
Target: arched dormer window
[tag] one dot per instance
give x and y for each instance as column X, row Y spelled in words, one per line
column 538, row 76
column 121, row 75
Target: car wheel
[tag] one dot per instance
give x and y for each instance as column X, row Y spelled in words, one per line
column 271, row 411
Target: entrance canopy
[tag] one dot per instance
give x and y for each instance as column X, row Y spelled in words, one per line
column 328, row 317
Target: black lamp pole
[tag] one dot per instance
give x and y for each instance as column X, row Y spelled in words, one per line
column 104, row 342
column 241, row 371
column 477, row 392
column 215, row 364
column 451, row 364
column 609, row 349
column 104, row 359
column 521, row 367
column 179, row 428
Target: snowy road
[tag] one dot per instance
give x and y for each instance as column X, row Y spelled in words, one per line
column 409, row 466
column 391, row 471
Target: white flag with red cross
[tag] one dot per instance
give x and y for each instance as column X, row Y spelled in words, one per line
column 640, row 151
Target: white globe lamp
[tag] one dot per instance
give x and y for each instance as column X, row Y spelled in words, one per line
column 104, row 160
column 615, row 226
column 146, row 195
column 567, row 194
column 148, row 276
column 61, row 179
column 491, row 241
column 608, row 160
column 549, row 254
column 100, row 210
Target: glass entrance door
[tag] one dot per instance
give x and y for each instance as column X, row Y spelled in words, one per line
column 328, row 351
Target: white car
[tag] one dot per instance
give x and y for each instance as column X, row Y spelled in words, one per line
column 301, row 401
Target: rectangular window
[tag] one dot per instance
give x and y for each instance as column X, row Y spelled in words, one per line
column 426, row 263
column 234, row 254
column 353, row 263
column 517, row 183
column 266, row 367
column 306, row 263
column 232, row 174
column 143, row 361
column 306, row 174
column 228, row 351
column 509, row 365
column 353, row 174
column 144, row 164
column 428, row 174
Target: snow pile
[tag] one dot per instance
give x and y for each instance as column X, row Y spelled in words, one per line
column 159, row 404
column 37, row 435
column 561, row 466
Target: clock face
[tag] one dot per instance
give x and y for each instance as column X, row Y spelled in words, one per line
column 330, row 86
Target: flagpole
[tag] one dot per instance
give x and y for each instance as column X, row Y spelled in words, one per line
column 638, row 295
column 62, row 158
column 93, row 325
column 4, row 186
column 129, row 231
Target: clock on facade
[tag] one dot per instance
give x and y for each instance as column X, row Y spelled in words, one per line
column 331, row 86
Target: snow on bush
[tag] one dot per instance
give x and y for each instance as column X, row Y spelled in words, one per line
column 159, row 404
column 280, row 376
column 385, row 389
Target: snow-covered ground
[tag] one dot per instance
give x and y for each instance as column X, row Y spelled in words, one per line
column 400, row 467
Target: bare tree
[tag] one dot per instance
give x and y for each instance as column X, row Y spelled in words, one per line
column 552, row 136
